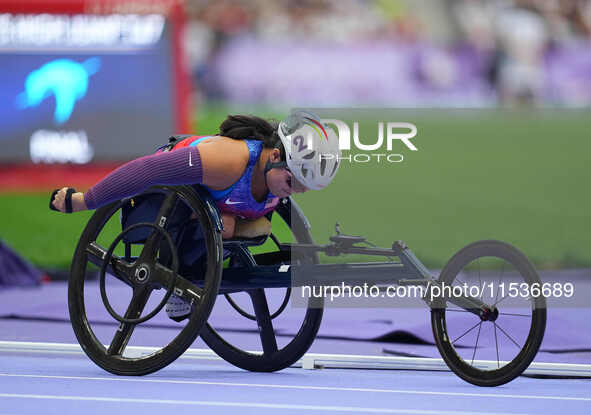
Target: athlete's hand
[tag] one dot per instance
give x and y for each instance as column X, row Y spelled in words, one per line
column 229, row 222
column 59, row 201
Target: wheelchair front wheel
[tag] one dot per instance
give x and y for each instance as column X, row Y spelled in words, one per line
column 482, row 350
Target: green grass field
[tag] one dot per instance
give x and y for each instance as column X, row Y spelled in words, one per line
column 517, row 176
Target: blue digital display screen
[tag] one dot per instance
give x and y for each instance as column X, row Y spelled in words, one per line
column 85, row 103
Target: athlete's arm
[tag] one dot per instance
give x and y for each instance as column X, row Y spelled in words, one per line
column 216, row 164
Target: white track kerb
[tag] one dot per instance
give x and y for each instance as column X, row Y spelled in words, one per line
column 317, row 360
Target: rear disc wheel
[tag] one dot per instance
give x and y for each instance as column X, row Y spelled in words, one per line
column 274, row 356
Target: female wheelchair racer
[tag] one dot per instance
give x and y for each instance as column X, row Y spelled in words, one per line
column 247, row 168
column 248, row 172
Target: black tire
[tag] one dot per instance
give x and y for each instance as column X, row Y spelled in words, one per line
column 301, row 342
column 114, row 361
column 522, row 354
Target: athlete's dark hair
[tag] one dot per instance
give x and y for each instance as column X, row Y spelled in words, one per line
column 251, row 127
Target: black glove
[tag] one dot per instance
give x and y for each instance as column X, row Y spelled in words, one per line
column 69, row 194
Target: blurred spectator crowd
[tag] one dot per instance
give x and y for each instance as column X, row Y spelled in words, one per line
column 396, row 52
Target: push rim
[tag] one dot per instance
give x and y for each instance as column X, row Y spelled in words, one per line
column 111, row 357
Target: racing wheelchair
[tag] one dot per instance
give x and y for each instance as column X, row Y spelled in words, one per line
column 152, row 256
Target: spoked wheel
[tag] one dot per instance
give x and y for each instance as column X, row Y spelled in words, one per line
column 278, row 352
column 139, row 270
column 496, row 346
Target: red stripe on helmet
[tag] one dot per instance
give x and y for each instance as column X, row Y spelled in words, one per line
column 319, row 125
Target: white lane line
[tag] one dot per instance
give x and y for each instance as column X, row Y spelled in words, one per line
column 305, row 387
column 326, row 408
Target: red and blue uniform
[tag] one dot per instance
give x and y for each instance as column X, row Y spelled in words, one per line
column 182, row 166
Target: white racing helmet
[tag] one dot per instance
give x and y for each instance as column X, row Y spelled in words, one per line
column 311, row 148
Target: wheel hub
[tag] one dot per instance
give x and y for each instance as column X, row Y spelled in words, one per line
column 489, row 314
column 142, row 273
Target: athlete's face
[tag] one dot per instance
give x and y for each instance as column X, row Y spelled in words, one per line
column 281, row 181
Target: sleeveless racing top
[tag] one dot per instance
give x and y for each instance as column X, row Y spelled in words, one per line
column 237, row 199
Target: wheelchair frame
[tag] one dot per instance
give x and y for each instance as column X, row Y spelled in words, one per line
column 253, row 279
